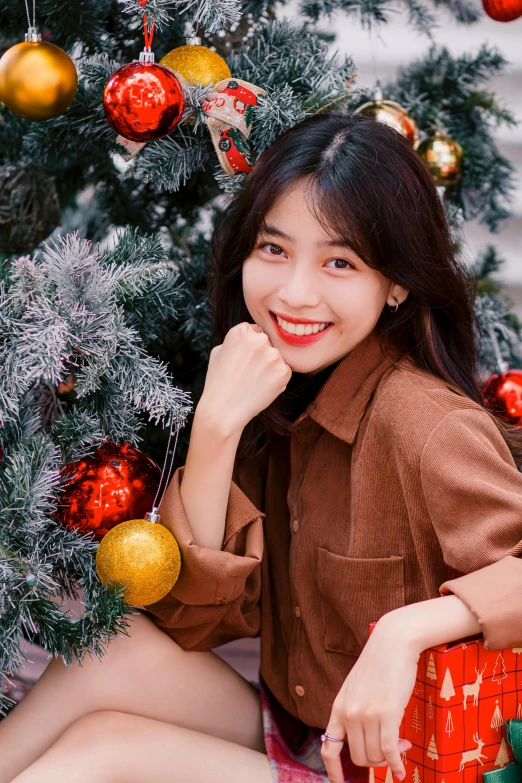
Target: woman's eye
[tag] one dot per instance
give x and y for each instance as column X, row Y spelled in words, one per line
column 342, row 261
column 271, row 245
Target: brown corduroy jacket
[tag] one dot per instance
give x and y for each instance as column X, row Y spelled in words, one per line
column 396, row 484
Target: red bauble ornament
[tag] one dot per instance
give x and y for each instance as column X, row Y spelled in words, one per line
column 503, row 10
column 116, row 484
column 143, row 101
column 503, row 395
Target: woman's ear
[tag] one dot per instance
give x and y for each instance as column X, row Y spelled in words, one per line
column 398, row 291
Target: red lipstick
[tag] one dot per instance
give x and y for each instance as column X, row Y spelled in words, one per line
column 296, row 339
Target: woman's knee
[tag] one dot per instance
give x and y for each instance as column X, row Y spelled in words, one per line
column 83, row 753
column 95, row 732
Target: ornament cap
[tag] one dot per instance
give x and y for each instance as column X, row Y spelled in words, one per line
column 147, row 56
column 32, row 35
column 378, row 94
column 193, row 40
column 503, row 367
column 153, row 516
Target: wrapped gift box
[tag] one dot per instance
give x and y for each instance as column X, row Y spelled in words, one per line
column 456, row 715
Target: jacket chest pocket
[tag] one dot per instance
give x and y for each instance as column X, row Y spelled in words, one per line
column 354, row 592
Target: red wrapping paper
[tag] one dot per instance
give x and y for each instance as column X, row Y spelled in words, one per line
column 456, row 714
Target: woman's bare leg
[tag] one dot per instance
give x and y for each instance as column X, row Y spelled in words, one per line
column 146, row 674
column 114, row 747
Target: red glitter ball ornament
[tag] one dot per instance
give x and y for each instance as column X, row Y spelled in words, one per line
column 503, row 10
column 115, row 484
column 503, row 395
column 143, row 101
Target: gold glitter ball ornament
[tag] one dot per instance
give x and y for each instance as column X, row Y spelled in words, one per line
column 197, row 64
column 442, row 155
column 141, row 556
column 391, row 113
column 38, row 80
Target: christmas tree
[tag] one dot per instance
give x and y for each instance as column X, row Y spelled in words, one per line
column 496, row 718
column 449, row 724
column 499, row 670
column 431, row 672
column 432, row 749
column 106, row 330
column 502, row 756
column 447, row 691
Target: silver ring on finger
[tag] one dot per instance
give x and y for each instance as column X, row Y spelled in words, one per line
column 326, row 736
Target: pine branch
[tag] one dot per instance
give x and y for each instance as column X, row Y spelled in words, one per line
column 212, row 15
column 170, row 162
column 493, row 316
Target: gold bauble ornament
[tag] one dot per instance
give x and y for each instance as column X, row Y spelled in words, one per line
column 442, row 155
column 38, row 80
column 142, row 556
column 391, row 113
column 197, row 63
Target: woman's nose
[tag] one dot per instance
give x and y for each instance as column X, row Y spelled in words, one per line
column 299, row 290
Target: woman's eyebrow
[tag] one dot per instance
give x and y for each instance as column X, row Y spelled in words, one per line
column 268, row 228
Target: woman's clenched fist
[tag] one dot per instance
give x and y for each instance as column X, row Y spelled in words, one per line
column 245, row 374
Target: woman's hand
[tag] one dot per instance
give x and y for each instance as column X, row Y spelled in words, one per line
column 245, row 374
column 368, row 709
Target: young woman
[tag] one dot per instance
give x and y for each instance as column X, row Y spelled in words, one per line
column 341, row 467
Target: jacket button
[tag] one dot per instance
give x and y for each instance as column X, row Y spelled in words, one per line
column 295, row 525
column 299, row 690
column 297, row 611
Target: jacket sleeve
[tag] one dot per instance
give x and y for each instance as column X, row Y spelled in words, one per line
column 473, row 492
column 494, row 595
column 216, row 596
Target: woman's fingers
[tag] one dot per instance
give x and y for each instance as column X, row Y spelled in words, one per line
column 390, row 747
column 372, row 741
column 356, row 742
column 331, row 751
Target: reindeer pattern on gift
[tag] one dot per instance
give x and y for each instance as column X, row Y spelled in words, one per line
column 473, row 689
column 473, row 755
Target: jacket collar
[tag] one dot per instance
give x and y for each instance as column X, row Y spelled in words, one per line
column 340, row 403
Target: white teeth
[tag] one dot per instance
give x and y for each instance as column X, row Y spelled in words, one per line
column 300, row 329
column 287, row 326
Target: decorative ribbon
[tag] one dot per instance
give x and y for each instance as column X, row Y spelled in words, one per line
column 228, row 110
column 228, row 114
column 512, row 773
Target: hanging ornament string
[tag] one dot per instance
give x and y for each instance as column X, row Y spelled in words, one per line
column 147, row 34
column 32, row 27
column 153, row 515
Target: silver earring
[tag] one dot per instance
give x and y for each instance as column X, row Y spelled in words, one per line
column 394, row 310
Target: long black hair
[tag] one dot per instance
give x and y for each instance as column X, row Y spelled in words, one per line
column 367, row 180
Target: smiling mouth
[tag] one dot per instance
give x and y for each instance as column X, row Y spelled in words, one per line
column 299, row 330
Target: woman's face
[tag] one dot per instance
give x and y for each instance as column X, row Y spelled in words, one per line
column 301, row 274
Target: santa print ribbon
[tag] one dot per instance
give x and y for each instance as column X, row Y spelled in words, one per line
column 228, row 110
column 512, row 773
